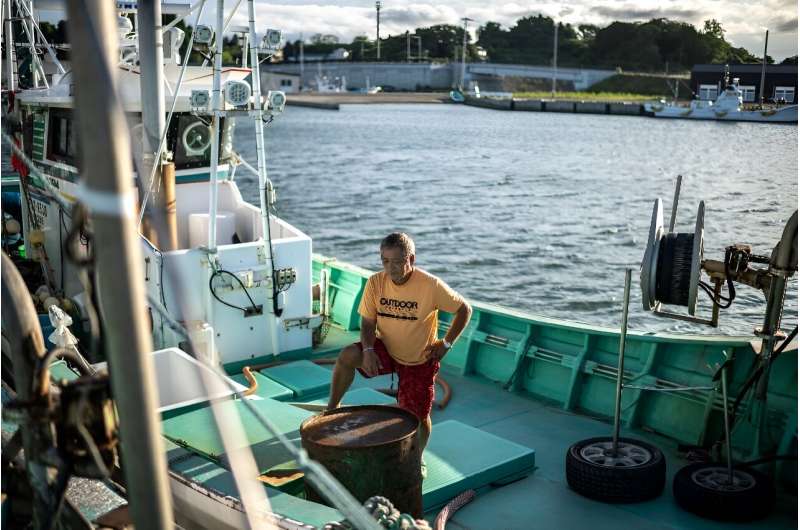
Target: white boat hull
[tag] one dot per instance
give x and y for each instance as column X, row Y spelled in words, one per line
column 782, row 115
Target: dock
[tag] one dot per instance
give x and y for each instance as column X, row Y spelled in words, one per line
column 332, row 100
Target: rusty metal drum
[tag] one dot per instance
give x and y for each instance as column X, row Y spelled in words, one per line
column 371, row 450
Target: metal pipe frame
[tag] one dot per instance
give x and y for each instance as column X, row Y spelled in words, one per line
column 621, row 366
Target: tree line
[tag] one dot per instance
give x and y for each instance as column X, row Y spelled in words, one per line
column 657, row 45
column 654, row 46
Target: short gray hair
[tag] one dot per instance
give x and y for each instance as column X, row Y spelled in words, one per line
column 399, row 240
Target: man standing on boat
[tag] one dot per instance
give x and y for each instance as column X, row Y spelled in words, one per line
column 399, row 320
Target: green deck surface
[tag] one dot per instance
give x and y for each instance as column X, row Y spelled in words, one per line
column 543, row 499
column 267, row 388
column 360, row 396
column 220, row 480
column 461, row 457
column 196, row 429
column 304, row 378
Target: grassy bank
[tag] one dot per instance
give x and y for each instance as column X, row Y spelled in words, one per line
column 585, row 96
column 646, row 84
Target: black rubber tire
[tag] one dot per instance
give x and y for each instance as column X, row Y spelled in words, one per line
column 747, row 505
column 616, row 484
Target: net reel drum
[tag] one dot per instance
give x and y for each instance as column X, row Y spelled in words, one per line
column 670, row 272
column 673, row 262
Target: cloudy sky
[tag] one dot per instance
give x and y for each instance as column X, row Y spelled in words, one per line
column 744, row 21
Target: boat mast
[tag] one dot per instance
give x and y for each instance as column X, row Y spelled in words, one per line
column 763, row 70
column 216, row 108
column 28, row 27
column 151, row 66
column 264, row 186
column 11, row 55
column 108, row 192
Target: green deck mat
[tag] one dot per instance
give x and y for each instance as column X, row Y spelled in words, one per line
column 460, row 457
column 267, row 388
column 304, row 378
column 214, row 477
column 361, row 396
column 196, row 429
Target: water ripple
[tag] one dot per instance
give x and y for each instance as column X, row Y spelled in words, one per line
column 536, row 211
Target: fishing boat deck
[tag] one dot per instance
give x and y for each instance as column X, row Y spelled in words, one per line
column 542, row 499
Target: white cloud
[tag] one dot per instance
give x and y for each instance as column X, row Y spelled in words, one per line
column 743, row 20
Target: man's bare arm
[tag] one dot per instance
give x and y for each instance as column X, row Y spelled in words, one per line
column 460, row 320
column 437, row 351
column 368, row 327
column 369, row 360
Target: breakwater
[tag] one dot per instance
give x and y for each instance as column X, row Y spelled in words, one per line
column 544, row 105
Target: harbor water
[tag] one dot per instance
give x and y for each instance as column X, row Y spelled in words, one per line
column 540, row 212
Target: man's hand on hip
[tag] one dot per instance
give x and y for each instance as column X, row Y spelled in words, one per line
column 436, row 351
column 370, row 362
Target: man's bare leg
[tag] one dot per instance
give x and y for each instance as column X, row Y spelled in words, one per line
column 344, row 371
column 424, row 432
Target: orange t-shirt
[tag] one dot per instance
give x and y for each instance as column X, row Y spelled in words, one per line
column 407, row 314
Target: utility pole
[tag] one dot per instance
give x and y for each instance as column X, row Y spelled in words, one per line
column 464, row 52
column 378, row 27
column 763, row 70
column 303, row 60
column 408, row 47
column 555, row 58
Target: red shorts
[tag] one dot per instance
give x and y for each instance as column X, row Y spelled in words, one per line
column 416, row 387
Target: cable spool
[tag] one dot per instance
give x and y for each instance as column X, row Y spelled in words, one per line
column 670, row 272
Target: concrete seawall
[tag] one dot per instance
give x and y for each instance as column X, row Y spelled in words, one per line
column 558, row 106
column 332, row 101
column 542, row 105
column 490, row 103
column 591, row 107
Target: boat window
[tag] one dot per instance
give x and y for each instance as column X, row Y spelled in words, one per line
column 62, row 141
column 748, row 93
column 784, row 94
column 189, row 138
column 707, row 92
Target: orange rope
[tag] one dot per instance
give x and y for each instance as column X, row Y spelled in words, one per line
column 250, row 379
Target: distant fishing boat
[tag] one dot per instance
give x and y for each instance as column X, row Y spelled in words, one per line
column 727, row 107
